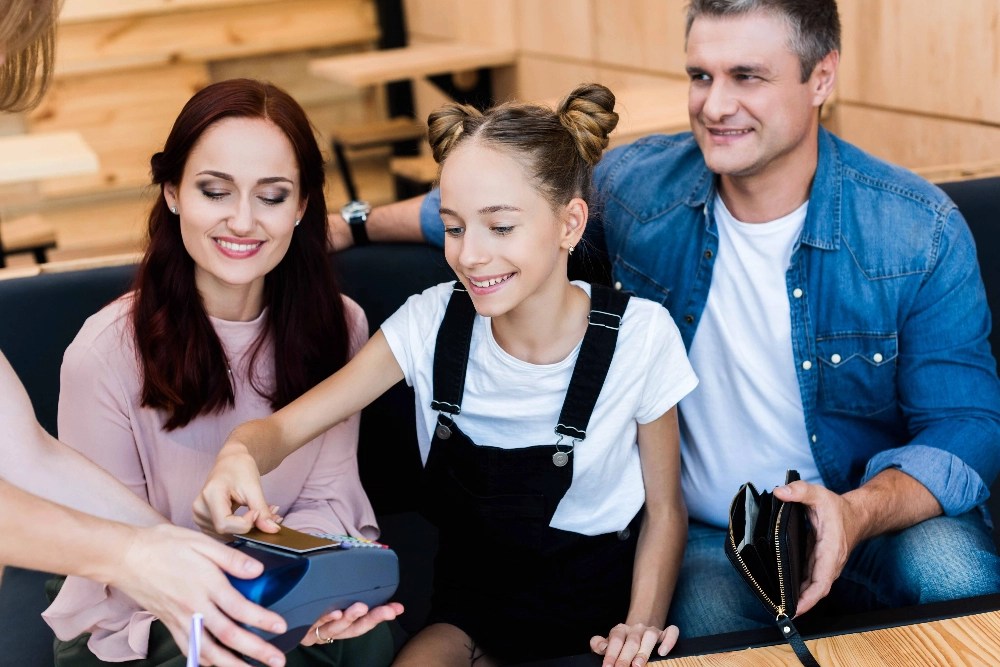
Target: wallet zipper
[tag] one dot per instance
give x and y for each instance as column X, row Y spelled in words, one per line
column 781, row 570
column 779, row 610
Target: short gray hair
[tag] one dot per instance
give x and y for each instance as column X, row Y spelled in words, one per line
column 814, row 24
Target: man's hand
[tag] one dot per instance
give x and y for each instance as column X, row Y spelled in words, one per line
column 890, row 501
column 836, row 528
column 174, row 572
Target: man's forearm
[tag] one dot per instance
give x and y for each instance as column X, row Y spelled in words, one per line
column 399, row 221
column 891, row 501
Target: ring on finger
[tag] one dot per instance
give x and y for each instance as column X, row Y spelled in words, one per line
column 321, row 639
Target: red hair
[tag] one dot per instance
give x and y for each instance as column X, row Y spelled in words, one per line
column 184, row 368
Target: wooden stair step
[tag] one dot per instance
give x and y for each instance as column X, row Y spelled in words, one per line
column 417, row 168
column 378, row 133
column 27, row 233
column 387, row 65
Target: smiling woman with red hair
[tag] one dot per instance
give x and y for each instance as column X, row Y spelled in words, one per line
column 234, row 313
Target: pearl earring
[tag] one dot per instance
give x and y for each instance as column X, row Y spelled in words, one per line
column 173, row 209
column 298, row 221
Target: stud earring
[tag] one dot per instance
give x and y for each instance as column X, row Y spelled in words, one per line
column 571, row 249
column 173, row 209
column 298, row 221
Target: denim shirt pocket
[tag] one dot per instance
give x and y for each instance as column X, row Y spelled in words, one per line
column 857, row 372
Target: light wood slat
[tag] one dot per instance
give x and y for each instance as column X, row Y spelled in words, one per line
column 379, row 132
column 376, row 67
column 26, row 233
column 35, row 156
column 214, row 34
column 970, row 641
column 80, row 11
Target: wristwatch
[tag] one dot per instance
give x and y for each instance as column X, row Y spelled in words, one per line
column 355, row 214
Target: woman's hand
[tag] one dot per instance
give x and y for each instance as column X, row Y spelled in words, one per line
column 174, row 572
column 631, row 645
column 234, row 482
column 354, row 621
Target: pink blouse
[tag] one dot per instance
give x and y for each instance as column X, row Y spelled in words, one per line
column 317, row 488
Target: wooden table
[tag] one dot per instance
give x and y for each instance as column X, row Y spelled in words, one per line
column 967, row 640
column 954, row 633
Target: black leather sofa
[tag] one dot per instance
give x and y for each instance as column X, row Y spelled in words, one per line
column 39, row 316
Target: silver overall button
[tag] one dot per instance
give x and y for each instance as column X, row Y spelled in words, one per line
column 442, row 432
column 559, row 459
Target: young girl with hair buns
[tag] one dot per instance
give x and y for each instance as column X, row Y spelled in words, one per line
column 546, row 409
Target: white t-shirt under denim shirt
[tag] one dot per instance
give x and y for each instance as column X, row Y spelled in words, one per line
column 745, row 421
column 510, row 403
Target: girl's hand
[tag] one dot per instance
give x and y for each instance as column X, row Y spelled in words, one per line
column 234, row 482
column 354, row 621
column 631, row 645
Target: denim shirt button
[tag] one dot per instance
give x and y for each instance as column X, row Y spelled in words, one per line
column 708, row 254
column 797, row 293
column 814, row 437
column 806, row 365
column 618, row 286
column 689, row 319
column 877, row 358
column 835, row 358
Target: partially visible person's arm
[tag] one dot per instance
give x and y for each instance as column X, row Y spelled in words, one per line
column 171, row 571
column 34, row 461
column 399, row 221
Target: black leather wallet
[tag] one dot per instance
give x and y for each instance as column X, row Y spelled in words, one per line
column 767, row 546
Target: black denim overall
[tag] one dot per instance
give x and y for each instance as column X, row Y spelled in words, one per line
column 520, row 588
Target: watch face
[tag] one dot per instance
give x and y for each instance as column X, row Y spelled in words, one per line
column 356, row 211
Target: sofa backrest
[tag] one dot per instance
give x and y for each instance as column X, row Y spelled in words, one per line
column 979, row 202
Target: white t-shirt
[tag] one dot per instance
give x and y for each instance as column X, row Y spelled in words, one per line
column 510, row 403
column 745, row 421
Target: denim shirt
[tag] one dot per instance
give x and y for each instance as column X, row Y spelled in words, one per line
column 890, row 322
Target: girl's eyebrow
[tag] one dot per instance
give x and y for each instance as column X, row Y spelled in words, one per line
column 497, row 208
column 486, row 210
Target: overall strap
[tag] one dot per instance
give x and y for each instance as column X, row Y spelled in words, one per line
column 606, row 309
column 451, row 354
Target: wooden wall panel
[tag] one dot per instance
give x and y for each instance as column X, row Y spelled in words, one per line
column 226, row 32
column 543, row 80
column 473, row 21
column 123, row 116
column 644, row 34
column 562, row 28
column 924, row 56
column 915, row 141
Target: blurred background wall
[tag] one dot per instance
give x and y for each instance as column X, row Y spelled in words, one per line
column 919, row 83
